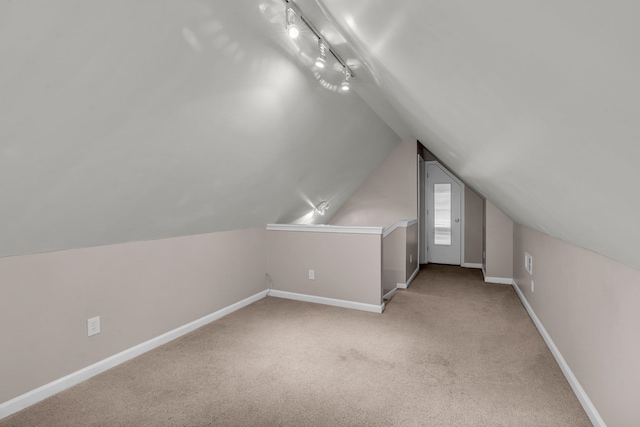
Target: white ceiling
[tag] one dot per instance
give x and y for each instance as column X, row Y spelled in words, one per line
column 124, row 121
column 535, row 104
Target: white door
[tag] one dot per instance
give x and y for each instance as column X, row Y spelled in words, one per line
column 443, row 216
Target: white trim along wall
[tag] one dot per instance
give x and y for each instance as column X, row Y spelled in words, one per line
column 581, row 394
column 321, row 228
column 404, row 223
column 34, row 396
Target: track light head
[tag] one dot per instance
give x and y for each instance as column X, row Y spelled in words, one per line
column 293, row 31
column 345, row 86
column 322, row 58
column 322, row 207
column 292, row 27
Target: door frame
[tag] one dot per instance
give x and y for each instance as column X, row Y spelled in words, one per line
column 422, row 259
column 421, row 208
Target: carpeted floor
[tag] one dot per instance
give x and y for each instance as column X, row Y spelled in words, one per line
column 449, row 351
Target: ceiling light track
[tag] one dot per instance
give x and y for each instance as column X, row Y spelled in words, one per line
column 293, row 11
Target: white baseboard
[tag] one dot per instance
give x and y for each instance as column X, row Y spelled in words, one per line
column 413, row 276
column 471, row 265
column 581, row 394
column 327, row 301
column 499, row 280
column 390, row 294
column 34, row 396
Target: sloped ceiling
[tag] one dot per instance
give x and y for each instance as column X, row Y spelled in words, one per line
column 134, row 120
column 124, row 121
column 535, row 104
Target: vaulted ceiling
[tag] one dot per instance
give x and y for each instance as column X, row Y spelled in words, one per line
column 535, row 104
column 124, row 121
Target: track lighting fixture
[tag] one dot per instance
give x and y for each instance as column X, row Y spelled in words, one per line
column 292, row 27
column 345, row 86
column 322, row 207
column 294, row 20
column 322, row 58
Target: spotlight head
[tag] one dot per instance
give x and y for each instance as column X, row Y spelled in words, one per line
column 292, row 27
column 322, row 207
column 322, row 58
column 293, row 31
column 345, row 86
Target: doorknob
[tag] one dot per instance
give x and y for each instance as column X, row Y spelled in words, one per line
column 457, row 219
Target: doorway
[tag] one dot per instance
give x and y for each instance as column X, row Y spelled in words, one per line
column 443, row 216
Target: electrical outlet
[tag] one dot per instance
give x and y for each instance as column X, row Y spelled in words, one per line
column 532, row 286
column 411, row 259
column 93, row 326
column 312, row 275
column 528, row 263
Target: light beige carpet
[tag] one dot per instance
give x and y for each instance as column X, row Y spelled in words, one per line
column 449, row 351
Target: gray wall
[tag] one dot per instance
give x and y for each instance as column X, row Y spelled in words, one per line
column 589, row 306
column 393, row 262
column 473, row 223
column 347, row 266
column 388, row 195
column 411, row 252
column 498, row 243
column 140, row 291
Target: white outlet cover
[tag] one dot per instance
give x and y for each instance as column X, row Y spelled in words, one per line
column 528, row 263
column 312, row 275
column 532, row 286
column 93, row 326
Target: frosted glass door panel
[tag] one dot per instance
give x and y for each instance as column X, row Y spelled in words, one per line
column 442, row 213
column 443, row 216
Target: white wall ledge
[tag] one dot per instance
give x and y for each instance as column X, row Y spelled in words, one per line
column 404, row 223
column 319, row 228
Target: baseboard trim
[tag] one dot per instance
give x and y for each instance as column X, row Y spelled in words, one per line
column 328, row 301
column 390, row 294
column 413, row 276
column 580, row 393
column 499, row 280
column 34, row 396
column 471, row 265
